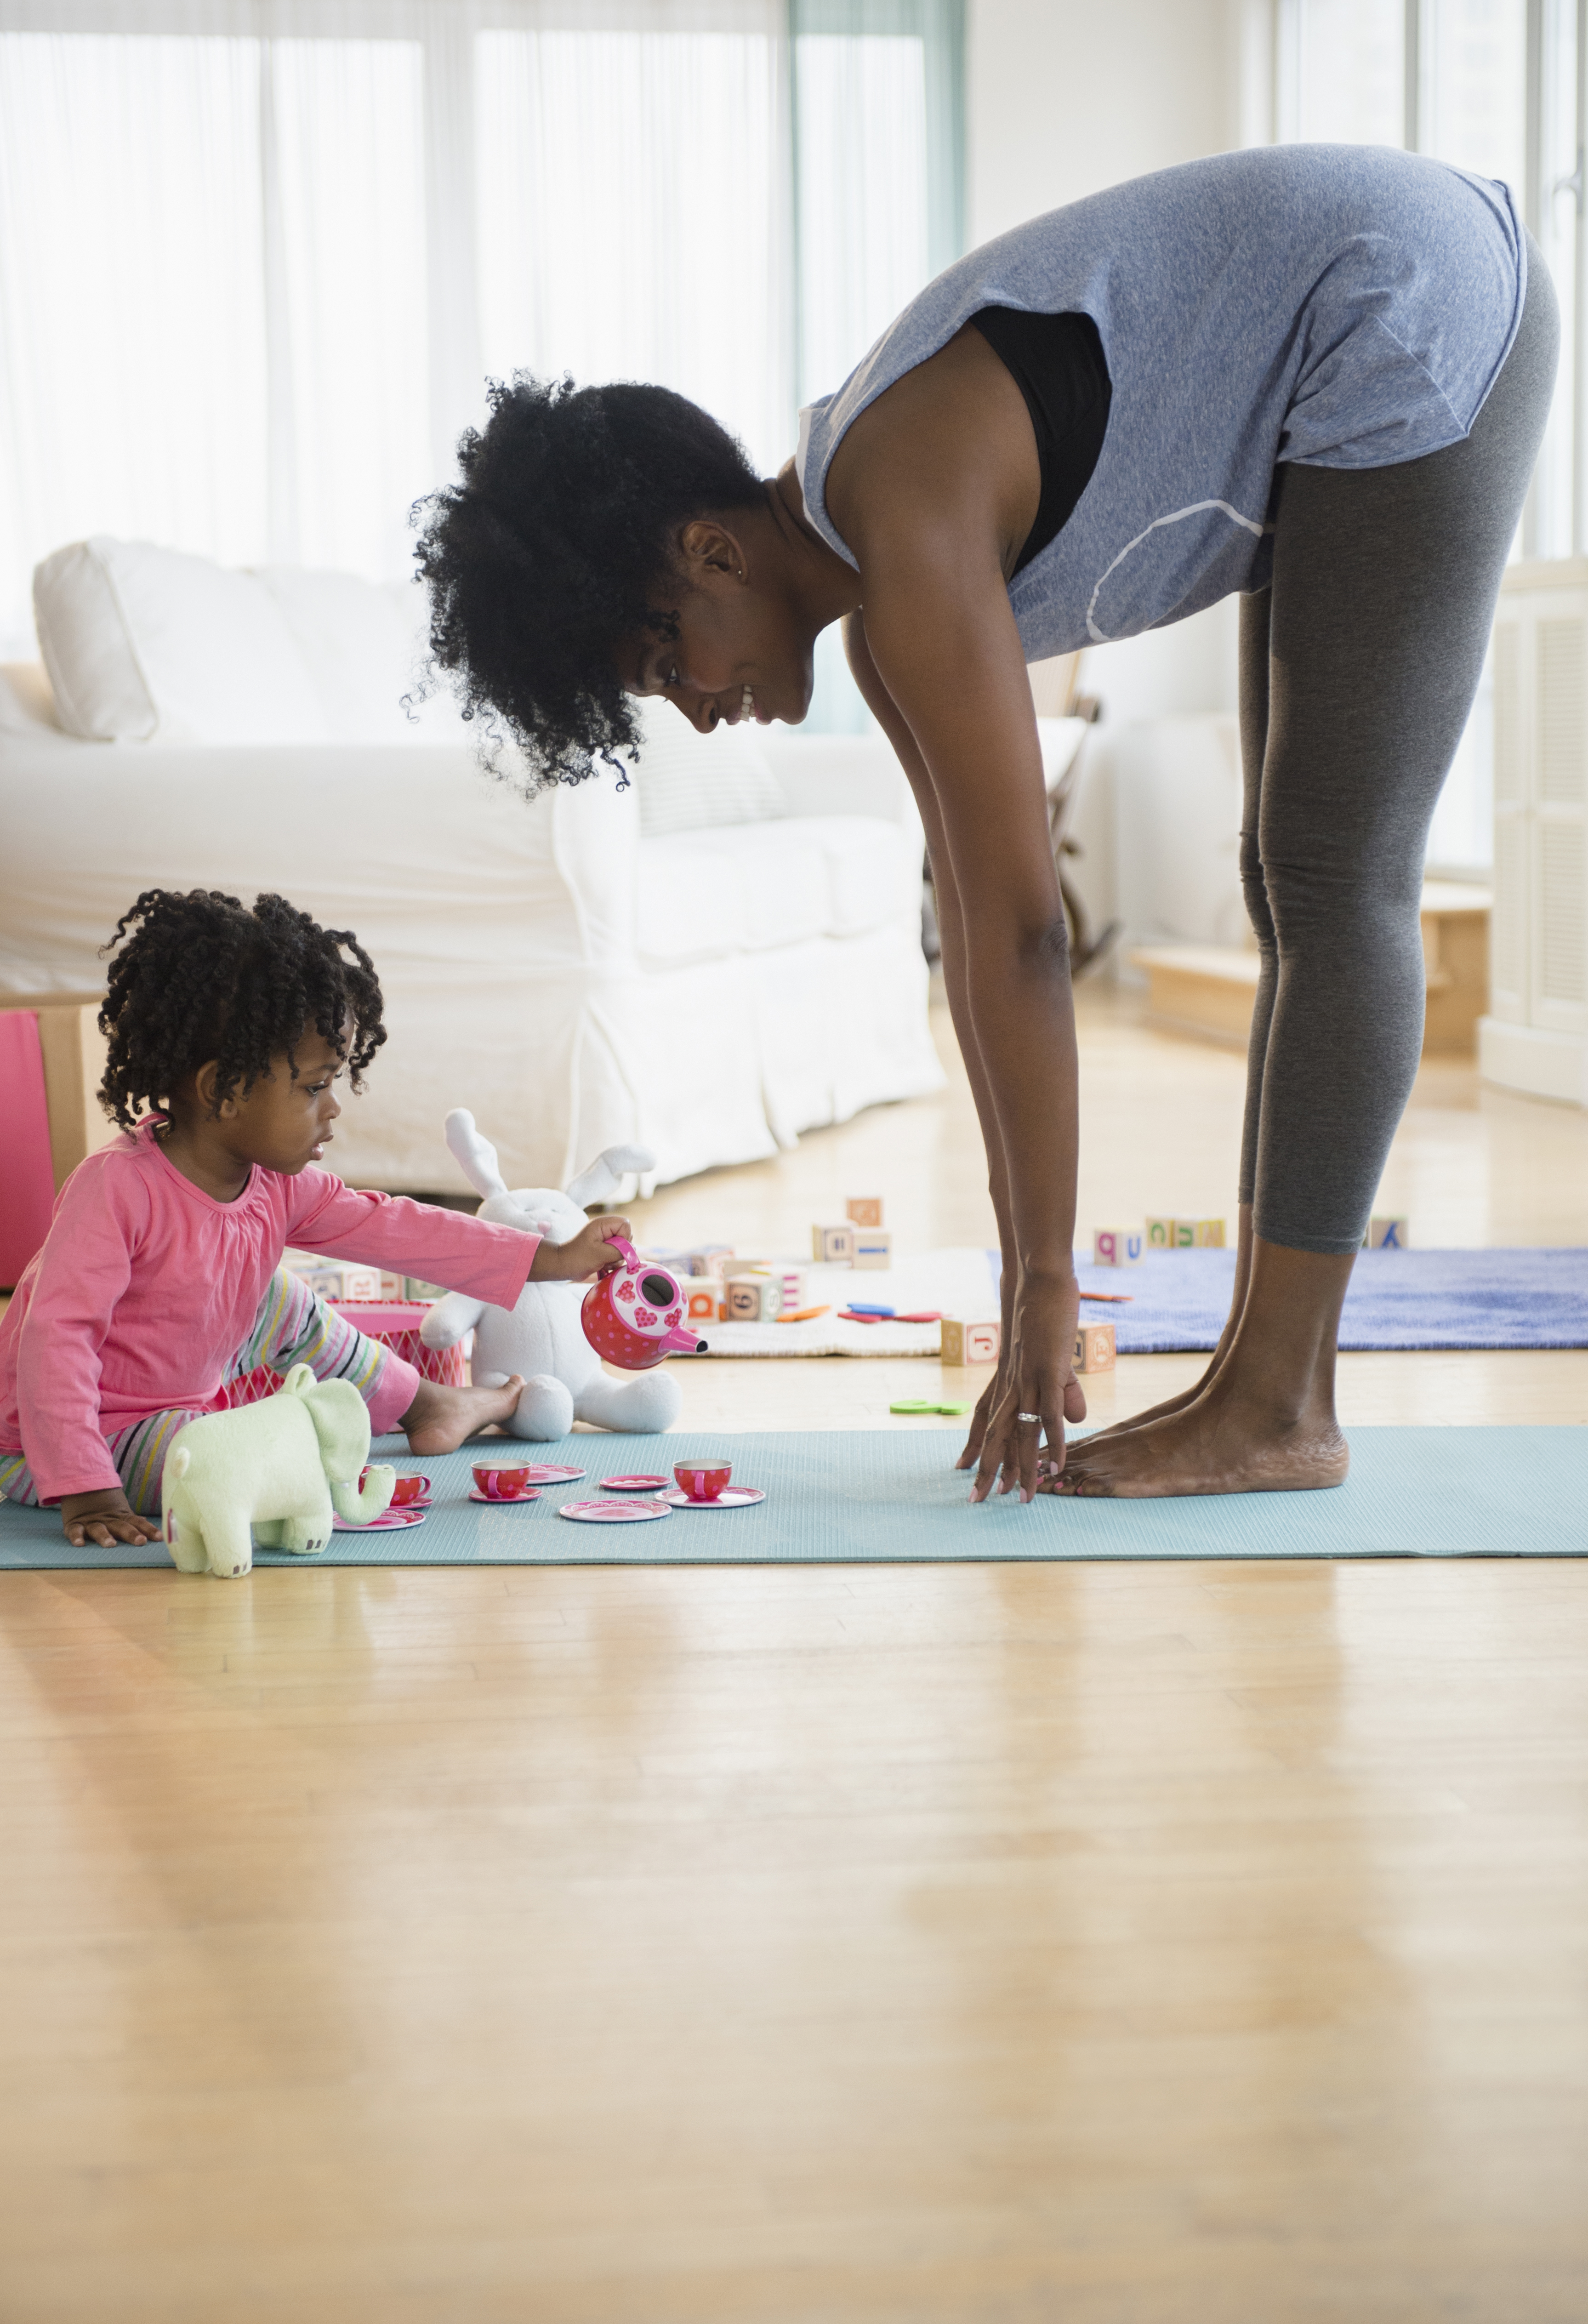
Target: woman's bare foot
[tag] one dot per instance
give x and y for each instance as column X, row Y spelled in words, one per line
column 1264, row 1420
column 1225, row 1442
column 440, row 1418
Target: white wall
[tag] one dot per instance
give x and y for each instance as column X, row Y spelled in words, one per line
column 1065, row 96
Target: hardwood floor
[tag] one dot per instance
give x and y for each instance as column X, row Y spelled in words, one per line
column 1117, row 1945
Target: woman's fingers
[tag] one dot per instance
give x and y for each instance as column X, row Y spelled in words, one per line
column 980, row 1419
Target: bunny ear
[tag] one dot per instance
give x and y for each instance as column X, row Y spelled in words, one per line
column 601, row 1181
column 475, row 1155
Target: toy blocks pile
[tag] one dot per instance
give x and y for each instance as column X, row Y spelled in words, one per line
column 1128, row 1246
column 966, row 1343
column 340, row 1280
column 860, row 1240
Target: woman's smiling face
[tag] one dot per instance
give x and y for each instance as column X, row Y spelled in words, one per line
column 739, row 652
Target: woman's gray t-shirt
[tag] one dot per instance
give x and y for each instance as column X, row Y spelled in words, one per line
column 1330, row 306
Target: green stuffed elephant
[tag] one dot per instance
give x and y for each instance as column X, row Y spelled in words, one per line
column 272, row 1471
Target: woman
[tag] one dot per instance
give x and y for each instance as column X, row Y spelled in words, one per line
column 1315, row 375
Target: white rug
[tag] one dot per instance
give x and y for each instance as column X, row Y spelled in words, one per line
column 954, row 1282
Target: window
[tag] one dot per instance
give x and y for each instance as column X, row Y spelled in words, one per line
column 255, row 271
column 1495, row 87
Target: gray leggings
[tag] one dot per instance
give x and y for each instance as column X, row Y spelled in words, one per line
column 1358, row 668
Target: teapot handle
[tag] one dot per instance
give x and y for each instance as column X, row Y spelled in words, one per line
column 631, row 1256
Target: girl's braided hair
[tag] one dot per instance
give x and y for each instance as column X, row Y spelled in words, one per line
column 201, row 975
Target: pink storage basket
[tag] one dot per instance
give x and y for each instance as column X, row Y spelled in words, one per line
column 395, row 1323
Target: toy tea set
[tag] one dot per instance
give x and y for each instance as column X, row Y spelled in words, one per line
column 292, row 1468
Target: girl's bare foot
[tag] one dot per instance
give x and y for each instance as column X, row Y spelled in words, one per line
column 440, row 1418
column 1225, row 1442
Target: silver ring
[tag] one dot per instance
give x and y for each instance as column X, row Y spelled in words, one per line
column 1035, row 1417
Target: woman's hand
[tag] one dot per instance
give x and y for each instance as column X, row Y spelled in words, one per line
column 1036, row 1376
column 591, row 1251
column 103, row 1518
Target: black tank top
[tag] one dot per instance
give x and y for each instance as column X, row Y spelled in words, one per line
column 1056, row 362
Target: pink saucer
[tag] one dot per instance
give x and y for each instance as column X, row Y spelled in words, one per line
column 393, row 1521
column 503, row 1500
column 547, row 1472
column 635, row 1484
column 731, row 1497
column 614, row 1512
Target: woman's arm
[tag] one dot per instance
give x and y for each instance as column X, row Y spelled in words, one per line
column 941, row 644
column 951, row 932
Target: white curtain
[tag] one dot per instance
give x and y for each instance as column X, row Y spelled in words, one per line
column 258, row 257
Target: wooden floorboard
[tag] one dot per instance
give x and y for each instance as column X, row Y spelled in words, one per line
column 1119, row 1945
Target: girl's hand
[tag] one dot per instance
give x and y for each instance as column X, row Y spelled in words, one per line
column 1037, row 1376
column 590, row 1251
column 105, row 1519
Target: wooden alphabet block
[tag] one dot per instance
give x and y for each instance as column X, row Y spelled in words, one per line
column 1094, row 1348
column 1160, row 1234
column 711, row 1259
column 1388, row 1234
column 832, row 1245
column 703, row 1300
column 966, row 1343
column 1117, row 1246
column 1184, row 1237
column 754, row 1299
column 865, row 1210
column 1210, row 1234
column 873, row 1247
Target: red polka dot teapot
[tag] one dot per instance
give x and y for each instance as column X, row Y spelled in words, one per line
column 633, row 1314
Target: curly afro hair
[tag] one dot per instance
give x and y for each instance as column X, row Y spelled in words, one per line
column 547, row 554
column 202, row 976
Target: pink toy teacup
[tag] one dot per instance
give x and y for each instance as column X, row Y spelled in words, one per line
column 702, row 1481
column 407, row 1490
column 500, row 1484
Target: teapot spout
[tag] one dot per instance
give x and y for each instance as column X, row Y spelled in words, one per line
column 679, row 1343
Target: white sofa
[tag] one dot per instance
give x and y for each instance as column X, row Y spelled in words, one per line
column 706, row 962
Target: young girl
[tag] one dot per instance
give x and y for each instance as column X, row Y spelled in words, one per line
column 161, row 1278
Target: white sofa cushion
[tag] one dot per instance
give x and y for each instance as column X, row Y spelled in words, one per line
column 363, row 643
column 687, row 906
column 689, row 781
column 873, row 870
column 146, row 644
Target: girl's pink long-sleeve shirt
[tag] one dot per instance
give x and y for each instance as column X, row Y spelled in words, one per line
column 146, row 1287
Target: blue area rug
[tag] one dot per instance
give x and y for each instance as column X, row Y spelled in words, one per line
column 1397, row 1299
column 892, row 1497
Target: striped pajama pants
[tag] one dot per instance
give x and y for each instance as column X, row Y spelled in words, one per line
column 293, row 1326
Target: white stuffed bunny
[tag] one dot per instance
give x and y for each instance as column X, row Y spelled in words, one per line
column 542, row 1337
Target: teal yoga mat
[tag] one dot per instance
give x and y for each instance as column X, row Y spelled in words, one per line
column 891, row 1497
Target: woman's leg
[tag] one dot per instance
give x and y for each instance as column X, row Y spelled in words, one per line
column 1254, row 736
column 1384, row 587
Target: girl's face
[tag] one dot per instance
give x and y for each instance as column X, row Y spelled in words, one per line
column 284, row 1124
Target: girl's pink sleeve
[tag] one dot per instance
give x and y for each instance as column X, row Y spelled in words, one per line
column 447, row 1247
column 84, row 1270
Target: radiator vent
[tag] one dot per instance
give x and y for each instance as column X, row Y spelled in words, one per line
column 1563, row 952
column 1510, row 779
column 1563, row 711
column 1509, row 936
